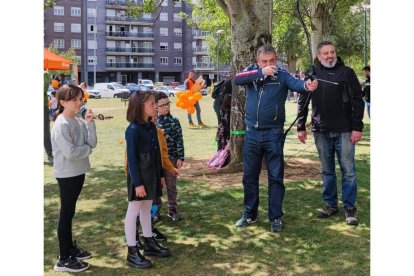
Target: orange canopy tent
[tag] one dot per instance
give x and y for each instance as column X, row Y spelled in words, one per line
column 52, row 61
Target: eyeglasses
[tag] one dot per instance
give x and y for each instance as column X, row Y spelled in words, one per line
column 164, row 105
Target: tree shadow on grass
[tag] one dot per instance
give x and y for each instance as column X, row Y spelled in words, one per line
column 206, row 242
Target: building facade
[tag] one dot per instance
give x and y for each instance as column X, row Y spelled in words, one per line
column 119, row 48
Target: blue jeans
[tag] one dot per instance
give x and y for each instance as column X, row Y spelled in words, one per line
column 329, row 143
column 198, row 111
column 259, row 143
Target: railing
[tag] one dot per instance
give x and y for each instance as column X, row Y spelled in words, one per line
column 129, row 65
column 200, row 33
column 130, row 50
column 129, row 19
column 200, row 49
column 204, row 65
column 129, row 34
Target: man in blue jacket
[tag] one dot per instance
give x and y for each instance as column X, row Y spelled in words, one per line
column 266, row 91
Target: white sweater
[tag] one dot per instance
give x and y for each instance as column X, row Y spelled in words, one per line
column 72, row 142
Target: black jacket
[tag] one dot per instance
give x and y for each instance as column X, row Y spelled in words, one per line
column 335, row 108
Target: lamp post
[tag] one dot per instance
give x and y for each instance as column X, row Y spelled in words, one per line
column 365, row 7
column 219, row 32
column 96, row 45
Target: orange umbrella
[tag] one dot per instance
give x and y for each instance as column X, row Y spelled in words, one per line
column 53, row 61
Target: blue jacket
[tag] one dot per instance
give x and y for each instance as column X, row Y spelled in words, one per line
column 266, row 97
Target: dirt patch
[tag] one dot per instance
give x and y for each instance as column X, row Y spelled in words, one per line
column 296, row 169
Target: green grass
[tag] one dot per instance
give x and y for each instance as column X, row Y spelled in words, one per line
column 206, row 241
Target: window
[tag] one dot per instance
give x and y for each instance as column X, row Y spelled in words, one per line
column 178, row 32
column 164, row 16
column 164, row 60
column 91, row 28
column 163, row 31
column 74, row 11
column 75, row 28
column 75, row 43
column 147, row 16
column 92, row 60
column 177, row 4
column 92, row 44
column 163, row 46
column 178, row 46
column 58, row 27
column 177, row 17
column 165, row 3
column 178, row 61
column 91, row 12
column 59, row 10
column 59, row 43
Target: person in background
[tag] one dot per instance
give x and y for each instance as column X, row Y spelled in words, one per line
column 53, row 104
column 366, row 92
column 174, row 136
column 72, row 141
column 46, row 120
column 84, row 86
column 266, row 91
column 143, row 177
column 337, row 112
column 188, row 83
column 62, row 80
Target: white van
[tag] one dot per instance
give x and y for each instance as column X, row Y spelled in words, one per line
column 111, row 89
column 147, row 83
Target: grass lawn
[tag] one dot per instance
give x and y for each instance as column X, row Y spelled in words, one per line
column 206, row 242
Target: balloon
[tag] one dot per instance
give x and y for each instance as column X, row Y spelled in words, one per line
column 55, row 84
column 192, row 100
column 191, row 109
column 198, row 96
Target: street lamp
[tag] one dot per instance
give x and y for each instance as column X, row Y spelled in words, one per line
column 365, row 7
column 219, row 32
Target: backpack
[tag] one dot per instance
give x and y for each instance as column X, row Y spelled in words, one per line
column 220, row 158
column 216, row 90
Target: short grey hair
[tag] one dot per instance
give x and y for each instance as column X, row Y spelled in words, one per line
column 266, row 48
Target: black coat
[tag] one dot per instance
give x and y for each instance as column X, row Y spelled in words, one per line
column 335, row 108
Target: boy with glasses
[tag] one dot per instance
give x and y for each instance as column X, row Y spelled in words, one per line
column 173, row 134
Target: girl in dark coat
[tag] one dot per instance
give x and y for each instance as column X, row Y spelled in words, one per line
column 143, row 177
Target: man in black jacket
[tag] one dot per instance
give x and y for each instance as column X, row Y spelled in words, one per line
column 337, row 112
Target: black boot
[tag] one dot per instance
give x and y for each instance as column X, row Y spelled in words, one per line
column 135, row 258
column 152, row 248
column 139, row 243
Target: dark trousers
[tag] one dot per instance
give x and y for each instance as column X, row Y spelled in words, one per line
column 69, row 188
column 267, row 143
column 217, row 107
column 46, row 132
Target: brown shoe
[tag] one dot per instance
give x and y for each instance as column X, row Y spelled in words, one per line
column 202, row 124
column 191, row 125
column 328, row 211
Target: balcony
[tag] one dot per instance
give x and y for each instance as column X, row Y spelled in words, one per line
column 204, row 66
column 130, row 50
column 199, row 50
column 127, row 19
column 130, row 66
column 130, row 35
column 197, row 34
column 122, row 2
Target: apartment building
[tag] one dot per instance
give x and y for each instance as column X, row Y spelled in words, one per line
column 159, row 46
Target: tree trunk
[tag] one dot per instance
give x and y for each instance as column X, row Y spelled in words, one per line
column 251, row 23
column 321, row 22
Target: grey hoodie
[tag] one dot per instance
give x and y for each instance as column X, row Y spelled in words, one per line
column 72, row 142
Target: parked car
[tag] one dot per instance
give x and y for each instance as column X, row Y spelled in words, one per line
column 93, row 93
column 174, row 83
column 180, row 87
column 132, row 87
column 148, row 83
column 111, row 90
column 168, row 90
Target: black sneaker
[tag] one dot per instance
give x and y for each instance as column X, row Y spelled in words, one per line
column 174, row 216
column 158, row 235
column 79, row 253
column 276, row 225
column 350, row 216
column 328, row 211
column 70, row 264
